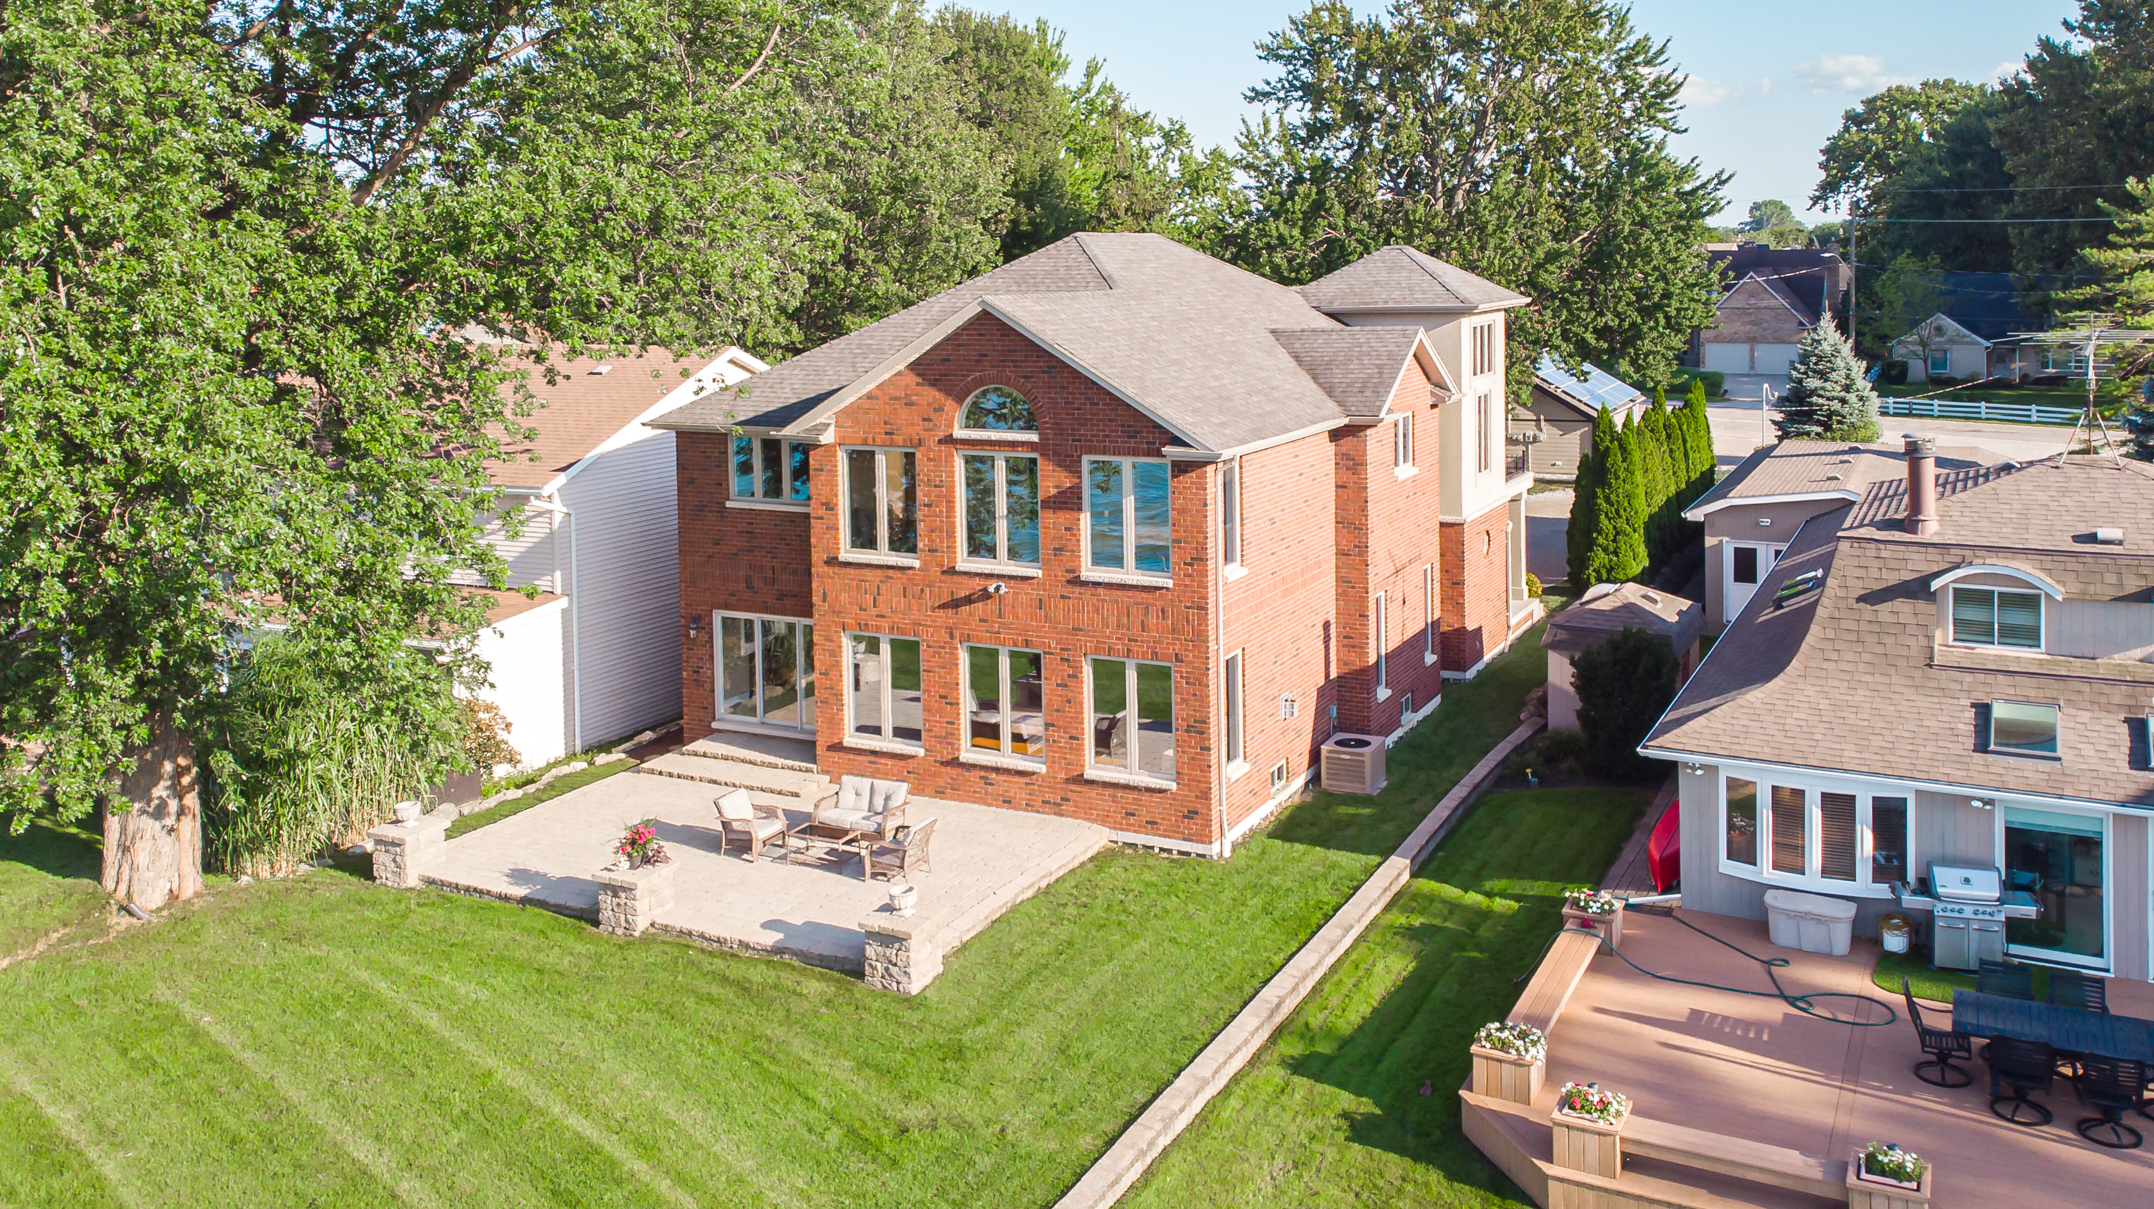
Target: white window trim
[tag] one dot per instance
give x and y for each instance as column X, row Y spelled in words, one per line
column 1989, row 741
column 1484, row 455
column 1810, row 879
column 2109, row 884
column 1127, row 572
column 1233, row 690
column 768, row 505
column 724, row 720
column 1124, row 774
column 1002, row 560
column 882, row 555
column 2041, row 625
column 1377, row 622
column 1230, row 514
column 1002, row 688
column 1402, row 446
column 884, row 742
column 732, row 480
column 973, row 566
column 996, row 434
column 1429, row 653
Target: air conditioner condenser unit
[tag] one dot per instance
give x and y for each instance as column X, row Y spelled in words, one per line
column 1354, row 764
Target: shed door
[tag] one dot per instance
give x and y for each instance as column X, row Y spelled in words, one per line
column 1747, row 564
column 1774, row 358
column 1727, row 358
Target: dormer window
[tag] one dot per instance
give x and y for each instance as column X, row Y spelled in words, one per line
column 998, row 411
column 2020, row 728
column 1997, row 617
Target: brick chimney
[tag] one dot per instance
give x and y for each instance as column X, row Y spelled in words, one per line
column 1921, row 485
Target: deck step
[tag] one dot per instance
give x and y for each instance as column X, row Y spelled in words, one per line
column 791, row 755
column 776, row 782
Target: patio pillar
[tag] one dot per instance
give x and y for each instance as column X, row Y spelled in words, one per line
column 904, row 954
column 404, row 851
column 629, row 901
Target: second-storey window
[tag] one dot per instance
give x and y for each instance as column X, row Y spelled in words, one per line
column 1133, row 717
column 1230, row 512
column 1485, row 423
column 1004, row 695
column 1484, row 348
column 766, row 468
column 1428, row 611
column 1127, row 511
column 882, row 688
column 1002, row 507
column 1402, row 442
column 882, row 513
column 1383, row 649
column 1997, row 617
column 1230, row 687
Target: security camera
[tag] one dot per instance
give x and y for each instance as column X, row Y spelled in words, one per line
column 997, row 588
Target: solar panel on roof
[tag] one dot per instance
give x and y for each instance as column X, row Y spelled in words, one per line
column 1596, row 389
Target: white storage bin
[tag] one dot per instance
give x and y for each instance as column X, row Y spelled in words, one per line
column 1810, row 922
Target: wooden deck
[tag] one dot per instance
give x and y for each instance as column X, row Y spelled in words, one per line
column 1631, row 875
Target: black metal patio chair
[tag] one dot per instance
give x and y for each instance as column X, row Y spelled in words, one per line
column 2007, row 978
column 2074, row 990
column 2026, row 1067
column 2111, row 1087
column 1942, row 1046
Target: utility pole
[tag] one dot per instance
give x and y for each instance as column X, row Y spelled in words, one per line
column 1851, row 274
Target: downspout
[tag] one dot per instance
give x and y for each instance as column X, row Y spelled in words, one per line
column 575, row 614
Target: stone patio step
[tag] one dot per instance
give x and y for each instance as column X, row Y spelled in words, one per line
column 763, row 751
column 755, row 778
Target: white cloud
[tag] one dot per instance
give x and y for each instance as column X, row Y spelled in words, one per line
column 2007, row 69
column 1847, row 73
column 1705, row 93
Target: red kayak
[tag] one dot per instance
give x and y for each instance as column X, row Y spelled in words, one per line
column 1664, row 852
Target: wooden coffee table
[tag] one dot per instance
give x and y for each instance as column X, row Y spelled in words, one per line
column 826, row 836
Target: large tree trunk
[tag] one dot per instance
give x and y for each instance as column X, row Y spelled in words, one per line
column 153, row 835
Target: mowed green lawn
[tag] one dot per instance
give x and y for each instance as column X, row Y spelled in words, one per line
column 325, row 1041
column 1331, row 1113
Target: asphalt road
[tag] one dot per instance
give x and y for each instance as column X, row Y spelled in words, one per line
column 1735, row 426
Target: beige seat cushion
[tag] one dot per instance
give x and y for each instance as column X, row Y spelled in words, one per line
column 762, row 829
column 853, row 820
column 853, row 793
column 734, row 806
column 886, row 796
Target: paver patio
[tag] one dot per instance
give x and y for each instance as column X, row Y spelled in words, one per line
column 985, row 861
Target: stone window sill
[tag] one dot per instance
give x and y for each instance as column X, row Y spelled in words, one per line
column 770, row 505
column 867, row 558
column 888, row 747
column 1382, row 693
column 1235, row 768
column 1006, row 570
column 1405, row 472
column 995, row 434
column 1127, row 579
column 993, row 759
column 1233, row 571
column 1120, row 776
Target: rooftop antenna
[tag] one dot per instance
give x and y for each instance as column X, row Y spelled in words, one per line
column 2092, row 336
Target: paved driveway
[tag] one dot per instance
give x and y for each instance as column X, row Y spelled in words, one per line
column 1735, row 425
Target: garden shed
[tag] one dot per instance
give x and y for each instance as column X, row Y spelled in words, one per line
column 1605, row 611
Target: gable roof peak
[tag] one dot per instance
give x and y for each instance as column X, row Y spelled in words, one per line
column 1397, row 277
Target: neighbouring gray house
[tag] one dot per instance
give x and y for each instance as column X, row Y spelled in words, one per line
column 1603, row 612
column 1556, row 429
column 1974, row 334
column 1752, row 513
column 1953, row 668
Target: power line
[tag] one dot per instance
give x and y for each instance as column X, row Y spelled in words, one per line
column 2002, row 189
column 1961, row 220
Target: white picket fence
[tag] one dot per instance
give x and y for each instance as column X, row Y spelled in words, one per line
column 1975, row 409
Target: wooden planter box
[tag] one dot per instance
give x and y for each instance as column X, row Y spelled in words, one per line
column 1504, row 1076
column 1610, row 926
column 1587, row 1145
column 1864, row 1193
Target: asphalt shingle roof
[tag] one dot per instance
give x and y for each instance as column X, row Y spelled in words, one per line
column 1823, row 467
column 1399, row 277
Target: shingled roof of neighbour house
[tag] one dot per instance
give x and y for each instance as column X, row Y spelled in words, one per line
column 1821, row 470
column 1803, row 278
column 1219, row 357
column 1399, row 278
column 591, row 400
column 1624, row 607
column 1851, row 676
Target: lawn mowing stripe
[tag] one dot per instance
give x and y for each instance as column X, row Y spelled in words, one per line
column 67, row 1126
column 514, row 1078
column 361, row 1150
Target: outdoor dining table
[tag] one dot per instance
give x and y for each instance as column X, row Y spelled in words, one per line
column 2069, row 1029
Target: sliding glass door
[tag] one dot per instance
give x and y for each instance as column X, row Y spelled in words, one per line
column 2058, row 858
column 766, row 671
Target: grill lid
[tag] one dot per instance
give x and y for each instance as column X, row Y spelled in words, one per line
column 1966, row 884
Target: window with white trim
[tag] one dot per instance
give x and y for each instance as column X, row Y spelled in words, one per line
column 1484, row 426
column 1997, row 617
column 1127, row 516
column 1402, row 442
column 1839, row 840
column 1484, row 348
column 882, row 508
column 1428, row 610
column 882, row 688
column 1231, row 689
column 1230, row 512
column 997, row 409
column 1004, row 702
column 1002, row 507
column 767, row 468
column 1941, row 361
column 1132, row 717
column 2023, row 728
column 1383, row 645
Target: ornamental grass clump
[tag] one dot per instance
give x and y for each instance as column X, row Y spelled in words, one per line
column 1885, row 1160
column 639, row 846
column 1589, row 900
column 1517, row 1040
column 1587, row 1100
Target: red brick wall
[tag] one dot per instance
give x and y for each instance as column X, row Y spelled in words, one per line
column 1477, row 593
column 1063, row 616
column 741, row 560
column 1386, row 535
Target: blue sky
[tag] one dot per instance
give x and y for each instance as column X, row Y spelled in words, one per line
column 1768, row 85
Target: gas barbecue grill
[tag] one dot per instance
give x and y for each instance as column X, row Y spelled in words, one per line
column 1968, row 907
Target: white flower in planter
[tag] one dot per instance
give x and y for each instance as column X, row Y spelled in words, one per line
column 1518, row 1040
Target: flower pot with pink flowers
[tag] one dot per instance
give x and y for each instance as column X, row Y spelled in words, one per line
column 1595, row 911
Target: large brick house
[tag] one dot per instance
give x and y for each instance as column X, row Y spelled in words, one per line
column 1116, row 531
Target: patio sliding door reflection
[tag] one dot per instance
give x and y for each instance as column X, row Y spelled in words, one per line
column 882, row 687
column 2057, row 857
column 766, row 671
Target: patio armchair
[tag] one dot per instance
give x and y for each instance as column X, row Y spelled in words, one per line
column 2111, row 1087
column 864, row 805
column 755, row 825
column 903, row 856
column 2007, row 978
column 1942, row 1046
column 2026, row 1067
column 2082, row 991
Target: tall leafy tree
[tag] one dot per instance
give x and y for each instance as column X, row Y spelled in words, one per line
column 1827, row 398
column 1865, row 158
column 1525, row 140
column 1773, row 222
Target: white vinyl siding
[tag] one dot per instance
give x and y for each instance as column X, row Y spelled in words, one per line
column 622, row 571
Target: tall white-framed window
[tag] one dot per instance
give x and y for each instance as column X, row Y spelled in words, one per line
column 1005, row 695
column 883, row 701
column 1428, row 612
column 1132, row 718
column 766, row 670
column 1484, row 425
column 1839, row 838
column 1996, row 617
column 768, row 468
column 1128, row 513
column 1484, row 348
column 1001, row 507
column 1230, row 513
column 1402, row 442
column 1230, row 688
column 1383, row 648
column 882, row 506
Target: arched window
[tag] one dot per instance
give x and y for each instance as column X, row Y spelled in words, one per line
column 998, row 409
